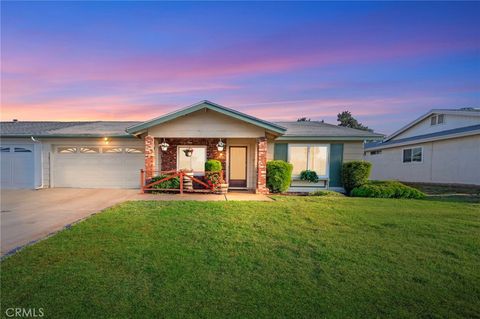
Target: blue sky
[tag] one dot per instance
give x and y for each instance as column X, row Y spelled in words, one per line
column 385, row 62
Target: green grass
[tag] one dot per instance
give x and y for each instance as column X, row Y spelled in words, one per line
column 297, row 257
column 457, row 193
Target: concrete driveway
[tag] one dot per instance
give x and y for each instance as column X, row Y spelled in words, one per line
column 29, row 215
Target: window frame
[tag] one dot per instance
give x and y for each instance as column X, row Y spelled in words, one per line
column 195, row 173
column 433, row 120
column 309, row 145
column 411, row 159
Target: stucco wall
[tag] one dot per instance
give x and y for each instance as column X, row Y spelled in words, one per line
column 453, row 161
column 352, row 151
column 206, row 123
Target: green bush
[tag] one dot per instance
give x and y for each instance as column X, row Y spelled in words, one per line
column 355, row 174
column 308, row 175
column 213, row 166
column 387, row 189
column 173, row 183
column 279, row 176
column 325, row 193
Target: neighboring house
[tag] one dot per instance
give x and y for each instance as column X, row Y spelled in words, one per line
column 111, row 154
column 442, row 146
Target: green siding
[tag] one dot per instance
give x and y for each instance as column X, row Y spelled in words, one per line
column 281, row 152
column 336, row 160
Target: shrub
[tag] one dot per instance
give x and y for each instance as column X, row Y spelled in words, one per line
column 355, row 174
column 387, row 189
column 326, row 193
column 279, row 176
column 213, row 166
column 172, row 183
column 308, row 175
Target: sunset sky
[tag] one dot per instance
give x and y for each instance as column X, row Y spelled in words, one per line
column 385, row 62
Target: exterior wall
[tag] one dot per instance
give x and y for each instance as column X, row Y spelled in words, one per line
column 206, row 123
column 451, row 121
column 452, row 161
column 352, row 151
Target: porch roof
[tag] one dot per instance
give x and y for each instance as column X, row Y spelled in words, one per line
column 269, row 126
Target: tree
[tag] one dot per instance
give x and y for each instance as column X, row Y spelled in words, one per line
column 303, row 119
column 346, row 119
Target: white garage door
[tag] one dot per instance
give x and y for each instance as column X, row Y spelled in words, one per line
column 97, row 167
column 17, row 166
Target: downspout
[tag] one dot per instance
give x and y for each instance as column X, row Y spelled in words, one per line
column 41, row 163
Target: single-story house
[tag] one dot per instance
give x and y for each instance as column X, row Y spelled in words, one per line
column 442, row 146
column 107, row 154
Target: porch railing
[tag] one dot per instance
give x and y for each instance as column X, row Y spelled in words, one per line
column 148, row 185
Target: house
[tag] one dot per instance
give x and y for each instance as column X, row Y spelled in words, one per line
column 103, row 154
column 442, row 146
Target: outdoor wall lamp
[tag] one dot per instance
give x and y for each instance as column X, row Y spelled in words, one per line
column 188, row 152
column 106, row 140
column 164, row 146
column 220, row 145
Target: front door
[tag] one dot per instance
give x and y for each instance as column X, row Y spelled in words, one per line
column 238, row 166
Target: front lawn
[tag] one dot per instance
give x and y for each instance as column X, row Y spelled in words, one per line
column 297, row 257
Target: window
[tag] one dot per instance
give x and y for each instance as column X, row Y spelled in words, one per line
column 112, row 150
column 440, row 118
column 412, row 155
column 133, row 150
column 66, row 150
column 196, row 162
column 22, row 150
column 375, row 152
column 5, row 149
column 308, row 156
column 89, row 150
column 433, row 120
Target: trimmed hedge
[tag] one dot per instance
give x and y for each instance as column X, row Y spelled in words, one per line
column 213, row 165
column 355, row 174
column 279, row 176
column 387, row 189
column 173, row 183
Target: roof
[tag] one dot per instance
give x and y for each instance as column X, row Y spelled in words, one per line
column 467, row 130
column 314, row 130
column 468, row 111
column 66, row 129
column 141, row 127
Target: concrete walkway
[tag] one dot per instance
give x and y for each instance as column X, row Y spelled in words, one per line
column 29, row 215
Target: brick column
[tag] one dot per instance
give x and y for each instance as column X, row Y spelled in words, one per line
column 261, row 166
column 149, row 156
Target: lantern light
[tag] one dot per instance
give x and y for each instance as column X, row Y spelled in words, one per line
column 164, row 146
column 188, row 152
column 220, row 145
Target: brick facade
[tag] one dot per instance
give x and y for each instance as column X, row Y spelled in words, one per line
column 149, row 156
column 261, row 166
column 169, row 157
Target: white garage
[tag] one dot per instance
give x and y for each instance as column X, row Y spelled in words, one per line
column 17, row 166
column 97, row 166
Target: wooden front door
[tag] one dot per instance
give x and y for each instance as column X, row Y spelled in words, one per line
column 238, row 166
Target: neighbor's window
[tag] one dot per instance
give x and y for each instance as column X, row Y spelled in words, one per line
column 66, row 150
column 89, row 150
column 433, row 120
column 440, row 118
column 376, row 152
column 412, row 155
column 308, row 156
column 196, row 162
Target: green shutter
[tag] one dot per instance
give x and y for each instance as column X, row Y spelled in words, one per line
column 281, row 152
column 336, row 160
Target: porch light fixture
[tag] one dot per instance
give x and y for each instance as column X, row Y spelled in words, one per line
column 188, row 152
column 164, row 146
column 106, row 141
column 220, row 145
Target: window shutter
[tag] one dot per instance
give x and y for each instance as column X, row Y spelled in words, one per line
column 280, row 152
column 336, row 160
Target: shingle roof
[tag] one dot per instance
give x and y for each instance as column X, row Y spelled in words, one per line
column 321, row 129
column 441, row 134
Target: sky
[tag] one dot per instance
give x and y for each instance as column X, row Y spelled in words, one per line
column 386, row 62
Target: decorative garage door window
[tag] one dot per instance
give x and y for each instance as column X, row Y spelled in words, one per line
column 196, row 162
column 133, row 150
column 112, row 150
column 22, row 150
column 67, row 150
column 5, row 149
column 89, row 150
column 312, row 157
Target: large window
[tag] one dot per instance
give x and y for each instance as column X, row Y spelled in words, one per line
column 308, row 156
column 412, row 155
column 196, row 162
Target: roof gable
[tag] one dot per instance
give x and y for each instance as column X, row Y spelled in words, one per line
column 269, row 126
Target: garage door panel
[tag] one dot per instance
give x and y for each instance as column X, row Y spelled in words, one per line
column 17, row 166
column 117, row 170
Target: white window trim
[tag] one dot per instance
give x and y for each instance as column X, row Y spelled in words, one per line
column 327, row 171
column 196, row 173
column 411, row 148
